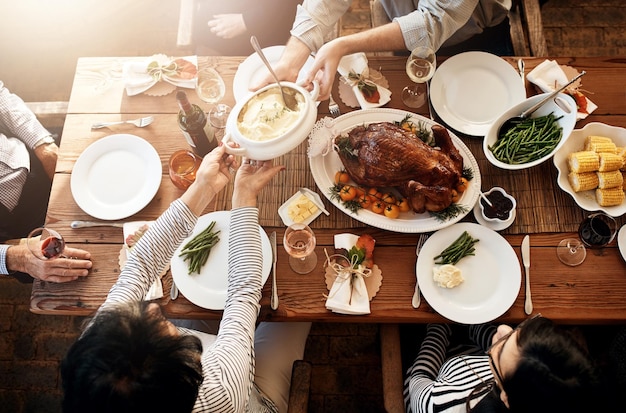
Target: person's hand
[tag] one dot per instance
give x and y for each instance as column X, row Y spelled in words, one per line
column 251, row 178
column 47, row 155
column 325, row 67
column 58, row 270
column 227, row 26
column 212, row 176
column 288, row 66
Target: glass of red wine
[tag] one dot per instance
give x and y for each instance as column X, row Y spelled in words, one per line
column 597, row 230
column 46, row 243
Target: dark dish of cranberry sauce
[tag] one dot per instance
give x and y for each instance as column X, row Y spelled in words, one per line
column 501, row 208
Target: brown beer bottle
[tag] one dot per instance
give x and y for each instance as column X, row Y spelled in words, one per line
column 193, row 122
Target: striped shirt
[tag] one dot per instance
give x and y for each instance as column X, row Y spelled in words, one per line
column 228, row 364
column 19, row 131
column 436, row 385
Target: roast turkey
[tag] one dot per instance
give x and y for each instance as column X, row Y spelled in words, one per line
column 386, row 155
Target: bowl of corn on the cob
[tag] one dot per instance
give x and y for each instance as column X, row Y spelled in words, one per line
column 592, row 168
column 534, row 140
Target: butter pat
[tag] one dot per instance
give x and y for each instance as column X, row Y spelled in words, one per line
column 447, row 276
column 301, row 208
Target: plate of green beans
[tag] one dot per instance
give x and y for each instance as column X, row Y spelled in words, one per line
column 534, row 139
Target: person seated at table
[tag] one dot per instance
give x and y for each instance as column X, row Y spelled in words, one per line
column 130, row 358
column 223, row 28
column 464, row 25
column 535, row 367
column 28, row 156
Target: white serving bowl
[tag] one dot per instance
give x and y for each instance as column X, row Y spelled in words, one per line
column 567, row 123
column 587, row 199
column 269, row 149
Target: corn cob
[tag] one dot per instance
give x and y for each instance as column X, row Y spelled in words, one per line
column 610, row 162
column 621, row 151
column 610, row 197
column 612, row 179
column 592, row 139
column 602, row 147
column 584, row 181
column 586, row 161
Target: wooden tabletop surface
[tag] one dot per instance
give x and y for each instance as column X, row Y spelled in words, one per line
column 593, row 292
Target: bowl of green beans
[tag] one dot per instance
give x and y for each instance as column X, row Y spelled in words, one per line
column 534, row 139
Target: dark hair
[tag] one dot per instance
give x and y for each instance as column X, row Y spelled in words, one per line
column 554, row 373
column 125, row 362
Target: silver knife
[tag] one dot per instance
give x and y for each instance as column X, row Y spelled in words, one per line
column 274, row 297
column 85, row 224
column 528, row 304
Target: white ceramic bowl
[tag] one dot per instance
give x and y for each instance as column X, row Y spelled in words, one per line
column 587, row 199
column 272, row 148
column 567, row 122
column 497, row 221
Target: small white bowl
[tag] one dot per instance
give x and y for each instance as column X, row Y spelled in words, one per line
column 283, row 209
column 567, row 123
column 496, row 224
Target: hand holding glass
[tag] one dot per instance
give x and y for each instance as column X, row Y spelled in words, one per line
column 299, row 242
column 46, row 244
column 420, row 67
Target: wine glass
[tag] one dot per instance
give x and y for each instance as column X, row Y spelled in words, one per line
column 420, row 66
column 571, row 251
column 597, row 230
column 299, row 242
column 211, row 88
column 46, row 243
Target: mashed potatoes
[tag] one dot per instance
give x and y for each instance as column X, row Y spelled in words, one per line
column 447, row 276
column 265, row 116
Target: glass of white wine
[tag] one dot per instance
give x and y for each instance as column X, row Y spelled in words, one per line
column 46, row 243
column 420, row 67
column 211, row 88
column 299, row 242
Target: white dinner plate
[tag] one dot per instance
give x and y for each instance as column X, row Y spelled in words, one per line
column 470, row 90
column 492, row 276
column 208, row 289
column 575, row 143
column 621, row 241
column 252, row 69
column 324, row 167
column 116, row 176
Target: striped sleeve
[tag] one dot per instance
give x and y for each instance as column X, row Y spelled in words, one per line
column 151, row 254
column 433, row 385
column 228, row 366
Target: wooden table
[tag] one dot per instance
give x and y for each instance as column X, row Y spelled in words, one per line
column 594, row 292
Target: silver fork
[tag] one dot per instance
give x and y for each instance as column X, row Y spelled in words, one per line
column 416, row 301
column 333, row 107
column 140, row 123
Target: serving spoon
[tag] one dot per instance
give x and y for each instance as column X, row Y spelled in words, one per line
column 289, row 100
column 511, row 122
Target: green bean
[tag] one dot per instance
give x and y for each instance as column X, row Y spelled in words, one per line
column 196, row 251
column 528, row 140
column 462, row 247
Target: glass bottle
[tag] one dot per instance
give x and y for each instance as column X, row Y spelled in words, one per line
column 193, row 122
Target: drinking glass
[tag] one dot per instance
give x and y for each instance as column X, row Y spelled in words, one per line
column 46, row 243
column 420, row 66
column 183, row 165
column 211, row 88
column 299, row 242
column 597, row 230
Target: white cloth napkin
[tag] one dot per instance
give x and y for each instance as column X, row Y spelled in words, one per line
column 357, row 63
column 348, row 294
column 156, row 289
column 549, row 76
column 137, row 80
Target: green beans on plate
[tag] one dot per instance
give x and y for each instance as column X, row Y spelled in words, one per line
column 196, row 251
column 460, row 248
column 528, row 140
